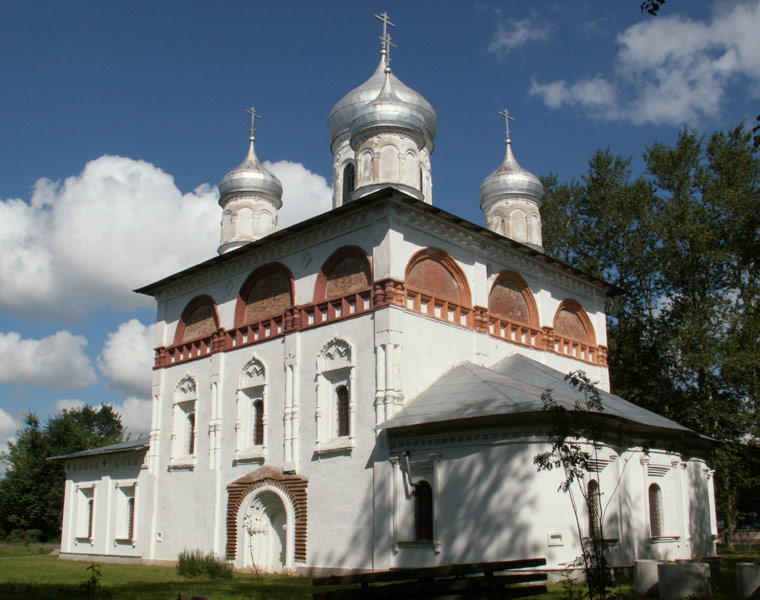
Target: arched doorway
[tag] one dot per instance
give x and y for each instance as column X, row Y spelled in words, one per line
column 264, row 535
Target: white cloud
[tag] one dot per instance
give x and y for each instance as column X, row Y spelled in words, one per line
column 135, row 415
column 57, row 361
column 66, row 404
column 127, row 358
column 9, row 425
column 88, row 241
column 669, row 70
column 512, row 34
column 304, row 194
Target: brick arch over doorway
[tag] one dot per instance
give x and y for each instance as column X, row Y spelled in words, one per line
column 293, row 486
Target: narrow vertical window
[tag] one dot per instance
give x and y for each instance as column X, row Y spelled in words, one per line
column 342, row 409
column 655, row 510
column 349, row 176
column 131, row 518
column 594, row 511
column 258, row 423
column 423, row 511
column 191, row 433
column 90, row 514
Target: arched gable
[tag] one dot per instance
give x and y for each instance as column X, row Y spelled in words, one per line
column 348, row 270
column 572, row 322
column 435, row 272
column 511, row 298
column 267, row 292
column 199, row 319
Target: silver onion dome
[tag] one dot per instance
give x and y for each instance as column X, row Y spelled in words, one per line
column 344, row 112
column 250, row 178
column 510, row 180
column 388, row 112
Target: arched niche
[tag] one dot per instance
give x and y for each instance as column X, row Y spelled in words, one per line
column 435, row 272
column 349, row 181
column 348, row 269
column 199, row 319
column 267, row 292
column 512, row 299
column 572, row 322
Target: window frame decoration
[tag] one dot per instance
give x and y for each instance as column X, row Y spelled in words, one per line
column 84, row 526
column 184, row 435
column 410, row 528
column 251, row 391
column 655, row 512
column 335, row 369
column 125, row 512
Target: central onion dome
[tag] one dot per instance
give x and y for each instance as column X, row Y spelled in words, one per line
column 347, row 107
column 387, row 112
column 510, row 198
column 250, row 197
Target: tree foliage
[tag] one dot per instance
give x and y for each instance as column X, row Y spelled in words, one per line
column 31, row 493
column 683, row 240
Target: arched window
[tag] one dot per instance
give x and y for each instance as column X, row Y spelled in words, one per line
column 131, row 518
column 349, row 179
column 90, row 515
column 190, row 432
column 423, row 511
column 437, row 273
column 198, row 320
column 655, row 510
column 594, row 511
column 266, row 293
column 511, row 299
column 572, row 322
column 341, row 405
column 258, row 423
column 347, row 270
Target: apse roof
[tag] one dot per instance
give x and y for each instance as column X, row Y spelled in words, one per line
column 510, row 387
column 138, row 444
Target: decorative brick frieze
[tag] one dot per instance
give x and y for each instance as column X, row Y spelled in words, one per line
column 389, row 291
column 480, row 319
column 293, row 487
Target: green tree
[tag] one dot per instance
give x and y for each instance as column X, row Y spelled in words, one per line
column 31, row 493
column 683, row 240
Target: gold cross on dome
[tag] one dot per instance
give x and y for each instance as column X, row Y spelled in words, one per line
column 507, row 118
column 254, row 115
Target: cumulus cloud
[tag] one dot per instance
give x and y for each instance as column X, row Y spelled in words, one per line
column 135, row 416
column 514, row 33
column 669, row 70
column 9, row 425
column 57, row 361
column 127, row 358
column 304, row 194
column 66, row 404
column 86, row 242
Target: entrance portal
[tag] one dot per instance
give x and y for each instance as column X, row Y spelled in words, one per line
column 264, row 539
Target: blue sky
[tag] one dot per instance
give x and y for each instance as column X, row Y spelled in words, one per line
column 120, row 118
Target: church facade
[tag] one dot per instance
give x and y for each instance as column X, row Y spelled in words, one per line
column 362, row 390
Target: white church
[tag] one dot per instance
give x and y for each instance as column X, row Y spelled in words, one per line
column 362, row 390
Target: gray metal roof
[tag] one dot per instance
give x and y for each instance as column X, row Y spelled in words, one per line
column 510, row 387
column 138, row 444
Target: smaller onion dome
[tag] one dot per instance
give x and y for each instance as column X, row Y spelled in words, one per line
column 250, row 178
column 388, row 112
column 510, row 180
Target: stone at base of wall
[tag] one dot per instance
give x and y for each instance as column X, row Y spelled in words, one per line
column 101, row 558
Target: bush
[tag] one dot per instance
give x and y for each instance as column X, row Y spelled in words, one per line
column 34, row 535
column 16, row 535
column 2, row 533
column 193, row 563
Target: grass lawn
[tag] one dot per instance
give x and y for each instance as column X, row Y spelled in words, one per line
column 33, row 576
column 30, row 550
column 38, row 577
